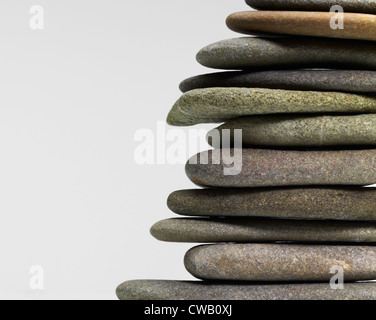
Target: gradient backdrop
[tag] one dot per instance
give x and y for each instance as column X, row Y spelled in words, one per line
column 72, row 198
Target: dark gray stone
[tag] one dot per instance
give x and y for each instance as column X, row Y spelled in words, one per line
column 306, row 80
column 365, row 6
column 289, row 52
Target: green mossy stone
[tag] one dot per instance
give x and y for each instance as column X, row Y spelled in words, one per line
column 300, row 131
column 216, row 105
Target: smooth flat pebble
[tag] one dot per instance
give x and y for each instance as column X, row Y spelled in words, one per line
column 280, row 262
column 300, row 131
column 254, row 230
column 274, row 168
column 322, row 203
column 216, row 105
column 366, row 6
column 289, row 53
column 361, row 81
column 359, row 26
column 200, row 290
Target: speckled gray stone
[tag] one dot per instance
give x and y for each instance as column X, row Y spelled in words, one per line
column 215, row 105
column 280, row 262
column 312, row 80
column 302, row 131
column 273, row 168
column 251, row 53
column 366, row 6
column 254, row 230
column 200, row 290
column 359, row 26
column 346, row 203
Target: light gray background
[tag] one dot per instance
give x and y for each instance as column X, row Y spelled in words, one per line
column 72, row 96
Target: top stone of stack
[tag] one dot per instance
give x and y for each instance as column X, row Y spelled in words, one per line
column 362, row 6
column 295, row 23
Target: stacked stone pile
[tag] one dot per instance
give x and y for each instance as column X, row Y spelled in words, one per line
column 296, row 212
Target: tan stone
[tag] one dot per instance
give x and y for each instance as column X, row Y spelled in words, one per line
column 357, row 26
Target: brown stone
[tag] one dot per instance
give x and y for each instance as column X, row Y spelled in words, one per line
column 357, row 26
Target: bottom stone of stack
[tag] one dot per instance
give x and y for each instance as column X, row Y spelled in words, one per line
column 205, row 230
column 199, row 290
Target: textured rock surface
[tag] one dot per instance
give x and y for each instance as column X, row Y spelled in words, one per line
column 214, row 105
column 367, row 6
column 290, row 203
column 255, row 53
column 303, row 131
column 246, row 230
column 273, row 168
column 198, row 290
column 314, row 80
column 295, row 23
column 280, row 262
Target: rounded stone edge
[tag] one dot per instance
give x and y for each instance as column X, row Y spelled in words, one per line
column 162, row 233
column 189, row 261
column 173, row 199
column 129, row 290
